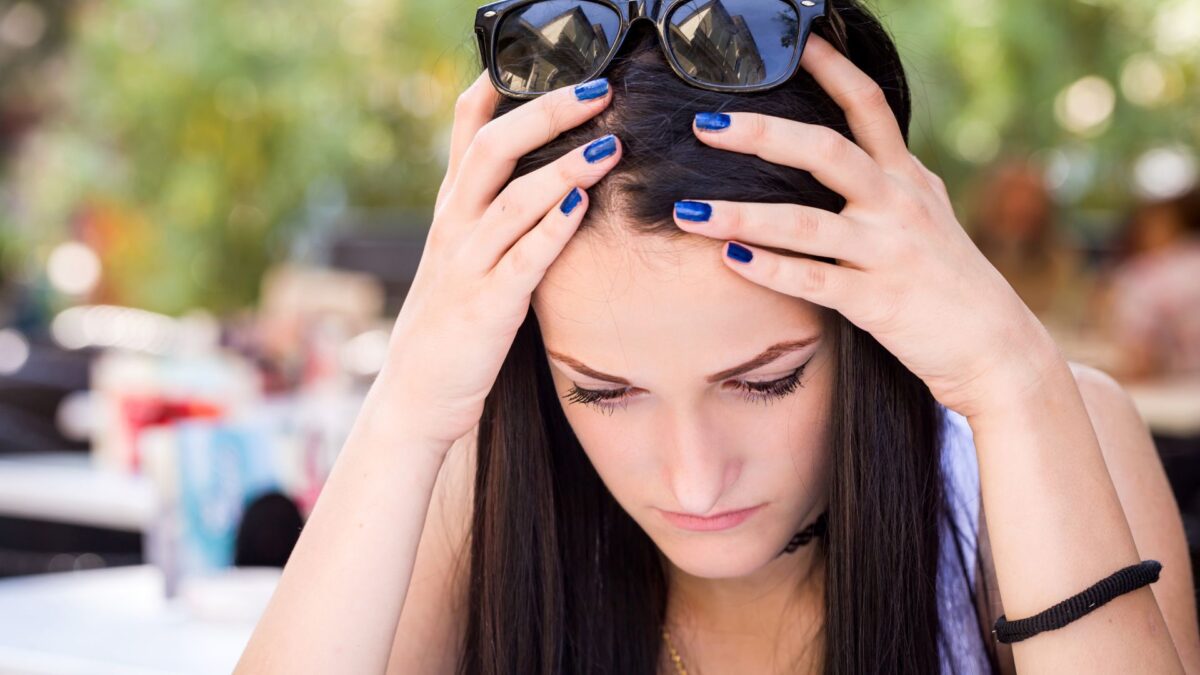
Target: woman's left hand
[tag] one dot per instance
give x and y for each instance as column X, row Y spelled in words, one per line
column 906, row 271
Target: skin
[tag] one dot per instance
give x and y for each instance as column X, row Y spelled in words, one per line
column 616, row 302
column 906, row 273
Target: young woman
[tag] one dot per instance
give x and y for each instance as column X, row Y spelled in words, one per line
column 697, row 379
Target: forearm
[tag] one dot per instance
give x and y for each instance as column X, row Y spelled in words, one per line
column 1056, row 526
column 338, row 602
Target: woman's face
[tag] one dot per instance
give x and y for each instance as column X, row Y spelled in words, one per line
column 666, row 326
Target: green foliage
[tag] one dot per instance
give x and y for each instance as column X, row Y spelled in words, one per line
column 989, row 80
column 198, row 137
column 196, row 140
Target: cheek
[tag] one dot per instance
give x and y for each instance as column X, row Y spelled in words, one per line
column 617, row 449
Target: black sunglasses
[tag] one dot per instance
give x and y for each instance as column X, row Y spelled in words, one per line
column 530, row 47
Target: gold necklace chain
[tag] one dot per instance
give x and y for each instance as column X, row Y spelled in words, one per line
column 816, row 529
column 675, row 658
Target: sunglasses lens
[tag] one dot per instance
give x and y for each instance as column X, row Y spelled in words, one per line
column 734, row 42
column 552, row 44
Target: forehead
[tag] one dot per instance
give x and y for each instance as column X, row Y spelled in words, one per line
column 632, row 299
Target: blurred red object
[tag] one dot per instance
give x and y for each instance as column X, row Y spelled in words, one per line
column 141, row 412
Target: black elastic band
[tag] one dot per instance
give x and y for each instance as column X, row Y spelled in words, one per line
column 1119, row 582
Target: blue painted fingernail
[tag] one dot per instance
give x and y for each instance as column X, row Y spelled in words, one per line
column 697, row 212
column 599, row 149
column 738, row 252
column 712, row 121
column 592, row 89
column 572, row 200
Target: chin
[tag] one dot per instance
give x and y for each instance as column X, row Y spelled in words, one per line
column 718, row 556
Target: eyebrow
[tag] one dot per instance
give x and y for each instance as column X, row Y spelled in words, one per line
column 767, row 356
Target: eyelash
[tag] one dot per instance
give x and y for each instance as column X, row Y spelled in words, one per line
column 602, row 399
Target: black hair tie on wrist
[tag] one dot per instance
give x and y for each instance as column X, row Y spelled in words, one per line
column 1119, row 582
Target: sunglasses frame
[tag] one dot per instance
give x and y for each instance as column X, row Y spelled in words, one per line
column 488, row 19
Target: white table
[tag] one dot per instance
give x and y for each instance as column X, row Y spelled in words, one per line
column 115, row 621
column 1170, row 407
column 66, row 487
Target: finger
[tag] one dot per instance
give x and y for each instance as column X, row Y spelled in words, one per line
column 476, row 105
column 524, row 265
column 802, row 229
column 867, row 111
column 493, row 153
column 830, row 157
column 527, row 199
column 834, row 286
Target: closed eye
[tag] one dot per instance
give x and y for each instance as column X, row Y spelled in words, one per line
column 609, row 400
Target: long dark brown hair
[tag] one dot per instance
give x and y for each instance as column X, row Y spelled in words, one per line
column 561, row 579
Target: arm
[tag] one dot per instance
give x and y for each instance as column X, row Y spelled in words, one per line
column 429, row 637
column 339, row 599
column 1056, row 525
column 1147, row 501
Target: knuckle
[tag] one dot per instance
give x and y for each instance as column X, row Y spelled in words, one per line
column 813, row 275
column 884, row 306
column 557, row 112
column 468, row 104
column 805, row 223
column 463, row 103
column 564, row 173
column 759, row 130
column 938, row 183
column 735, row 222
column 486, row 141
column 550, row 231
column 870, row 97
column 829, row 144
column 520, row 262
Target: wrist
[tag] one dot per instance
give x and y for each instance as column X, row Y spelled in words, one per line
column 393, row 419
column 1021, row 376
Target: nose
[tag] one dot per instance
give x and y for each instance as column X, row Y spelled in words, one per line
column 700, row 468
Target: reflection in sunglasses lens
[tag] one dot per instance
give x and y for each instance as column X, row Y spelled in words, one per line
column 744, row 42
column 547, row 45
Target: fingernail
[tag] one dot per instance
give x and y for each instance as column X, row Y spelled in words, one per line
column 712, row 121
column 599, row 149
column 697, row 212
column 572, row 200
column 592, row 89
column 738, row 252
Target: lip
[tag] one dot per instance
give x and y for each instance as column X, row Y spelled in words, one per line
column 720, row 521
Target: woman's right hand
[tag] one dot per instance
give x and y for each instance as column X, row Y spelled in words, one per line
column 486, row 251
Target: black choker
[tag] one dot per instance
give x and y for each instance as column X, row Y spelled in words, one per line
column 804, row 536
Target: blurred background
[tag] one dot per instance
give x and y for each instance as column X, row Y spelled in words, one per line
column 210, row 214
